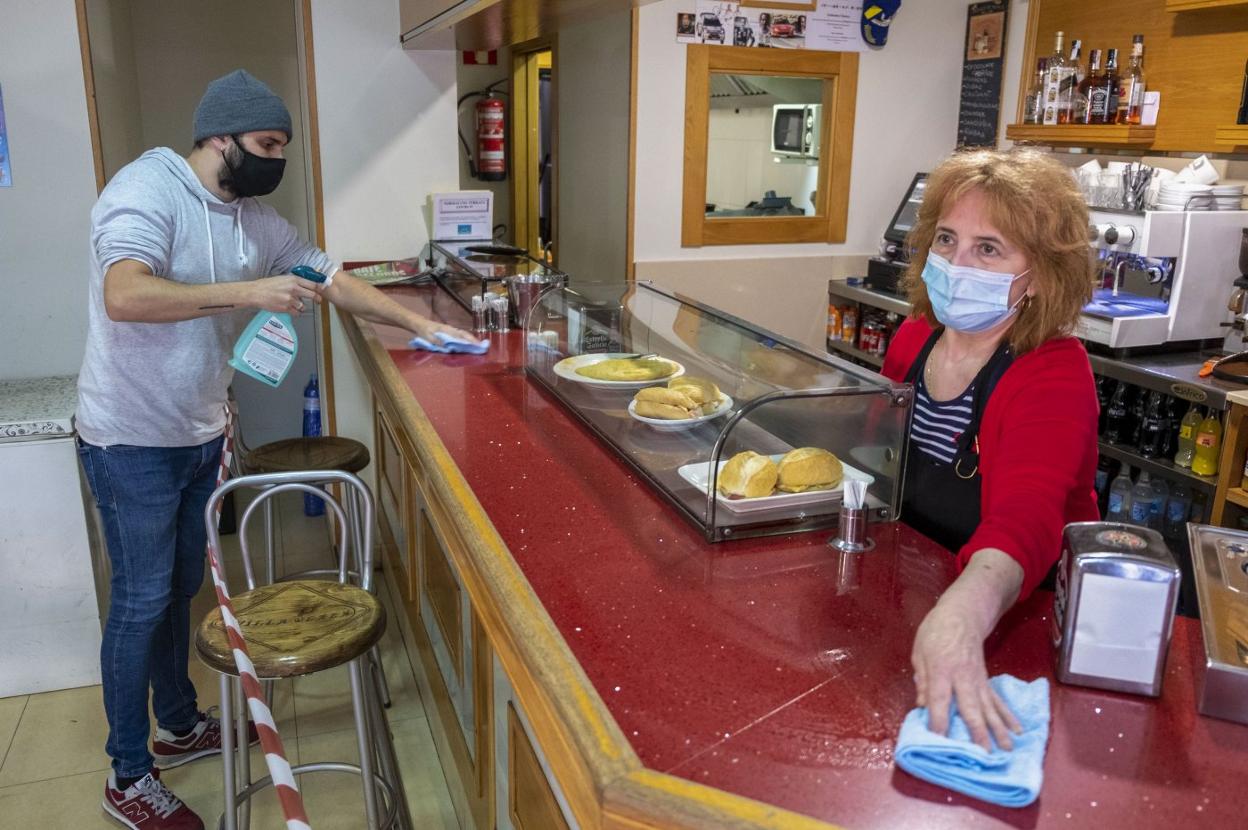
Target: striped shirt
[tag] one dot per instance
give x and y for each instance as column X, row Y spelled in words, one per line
column 938, row 425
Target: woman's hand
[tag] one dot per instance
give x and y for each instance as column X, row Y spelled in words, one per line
column 426, row 328
column 948, row 653
column 948, row 659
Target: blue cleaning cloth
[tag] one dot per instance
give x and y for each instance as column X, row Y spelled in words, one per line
column 1011, row 779
column 448, row 344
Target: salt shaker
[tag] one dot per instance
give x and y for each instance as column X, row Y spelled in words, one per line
column 499, row 305
column 479, row 323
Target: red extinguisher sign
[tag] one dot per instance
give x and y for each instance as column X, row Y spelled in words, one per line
column 491, row 138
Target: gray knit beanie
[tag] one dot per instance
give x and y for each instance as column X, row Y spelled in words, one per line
column 239, row 103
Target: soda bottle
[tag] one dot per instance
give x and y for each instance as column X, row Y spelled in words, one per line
column 1137, row 412
column 1104, row 391
column 1161, row 494
column 1120, row 497
column 1208, row 445
column 1151, row 427
column 312, row 506
column 1116, row 416
column 1170, row 427
column 1187, row 437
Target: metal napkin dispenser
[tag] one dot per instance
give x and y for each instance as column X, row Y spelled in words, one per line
column 1220, row 563
column 1117, row 588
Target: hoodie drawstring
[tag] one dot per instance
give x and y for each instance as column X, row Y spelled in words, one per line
column 238, row 232
column 212, row 263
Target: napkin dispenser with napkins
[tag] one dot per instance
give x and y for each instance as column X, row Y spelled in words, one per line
column 1117, row 588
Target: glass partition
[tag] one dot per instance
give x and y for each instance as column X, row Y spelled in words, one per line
column 740, row 388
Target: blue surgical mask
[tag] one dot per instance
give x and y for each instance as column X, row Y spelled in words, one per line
column 968, row 299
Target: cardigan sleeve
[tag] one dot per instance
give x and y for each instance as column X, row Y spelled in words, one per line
column 1039, row 427
column 905, row 347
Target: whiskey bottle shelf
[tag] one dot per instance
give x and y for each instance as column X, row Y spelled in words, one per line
column 1083, row 135
column 1236, row 134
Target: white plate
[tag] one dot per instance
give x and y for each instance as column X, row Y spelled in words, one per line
column 699, row 474
column 668, row 425
column 567, row 367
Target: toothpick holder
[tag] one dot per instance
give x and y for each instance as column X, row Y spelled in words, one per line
column 851, row 534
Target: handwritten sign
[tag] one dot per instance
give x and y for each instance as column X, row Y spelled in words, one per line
column 979, row 110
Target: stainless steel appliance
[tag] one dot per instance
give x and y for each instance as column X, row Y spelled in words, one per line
column 1220, row 563
column 1162, row 276
column 1117, row 587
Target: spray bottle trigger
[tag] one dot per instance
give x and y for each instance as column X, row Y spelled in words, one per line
column 308, row 273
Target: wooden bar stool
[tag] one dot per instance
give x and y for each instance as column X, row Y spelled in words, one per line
column 300, row 627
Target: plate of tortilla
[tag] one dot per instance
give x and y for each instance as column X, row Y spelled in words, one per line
column 618, row 370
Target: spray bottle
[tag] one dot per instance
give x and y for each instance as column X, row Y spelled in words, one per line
column 267, row 348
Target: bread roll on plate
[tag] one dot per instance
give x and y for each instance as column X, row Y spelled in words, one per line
column 808, row 468
column 701, row 391
column 666, row 404
column 748, row 475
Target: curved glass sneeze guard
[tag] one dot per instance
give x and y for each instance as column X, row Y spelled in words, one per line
column 779, row 396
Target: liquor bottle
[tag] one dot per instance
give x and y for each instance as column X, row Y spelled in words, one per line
column 1120, row 497
column 1103, row 96
column 1176, row 512
column 1131, row 105
column 1066, row 93
column 1087, row 88
column 1151, row 427
column 1142, row 500
column 1058, row 73
column 1033, row 109
column 1187, row 437
column 1208, row 445
column 1116, row 416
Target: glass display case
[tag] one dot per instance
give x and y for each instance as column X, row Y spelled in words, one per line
column 595, row 348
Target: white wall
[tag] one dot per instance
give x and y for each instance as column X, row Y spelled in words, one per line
column 387, row 134
column 44, row 216
column 740, row 166
column 906, row 120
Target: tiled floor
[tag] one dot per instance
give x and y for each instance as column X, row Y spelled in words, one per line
column 53, row 766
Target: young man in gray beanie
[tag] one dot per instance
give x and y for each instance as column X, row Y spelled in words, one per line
column 182, row 255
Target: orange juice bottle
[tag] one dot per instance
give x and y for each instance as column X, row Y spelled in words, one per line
column 1208, row 445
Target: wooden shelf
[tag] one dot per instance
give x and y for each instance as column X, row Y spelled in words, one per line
column 1083, row 135
column 1232, row 133
column 1192, row 5
column 855, row 352
column 1237, row 495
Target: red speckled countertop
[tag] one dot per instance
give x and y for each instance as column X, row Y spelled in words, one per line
column 775, row 668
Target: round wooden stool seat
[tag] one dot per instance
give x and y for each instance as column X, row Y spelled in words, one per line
column 295, row 628
column 294, row 455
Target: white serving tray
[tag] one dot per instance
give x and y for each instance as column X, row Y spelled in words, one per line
column 699, row 476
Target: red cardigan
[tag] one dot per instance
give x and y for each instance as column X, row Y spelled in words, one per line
column 1037, row 446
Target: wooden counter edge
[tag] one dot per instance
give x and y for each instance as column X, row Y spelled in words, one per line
column 583, row 743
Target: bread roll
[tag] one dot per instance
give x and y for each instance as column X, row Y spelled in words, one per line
column 748, row 475
column 809, row 468
column 701, row 391
column 665, row 404
column 671, row 397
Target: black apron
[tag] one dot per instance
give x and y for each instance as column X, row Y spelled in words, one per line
column 941, row 500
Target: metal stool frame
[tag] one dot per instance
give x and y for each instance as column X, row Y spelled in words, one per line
column 374, row 741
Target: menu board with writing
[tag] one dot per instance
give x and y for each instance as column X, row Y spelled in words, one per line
column 980, row 107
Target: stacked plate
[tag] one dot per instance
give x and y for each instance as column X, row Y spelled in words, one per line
column 1179, row 196
column 1228, row 196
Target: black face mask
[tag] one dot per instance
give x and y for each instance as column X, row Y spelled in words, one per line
column 253, row 175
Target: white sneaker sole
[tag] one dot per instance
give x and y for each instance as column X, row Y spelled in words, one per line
column 171, row 761
column 112, row 813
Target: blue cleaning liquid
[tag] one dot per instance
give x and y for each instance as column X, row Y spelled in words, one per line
column 312, row 505
column 267, row 348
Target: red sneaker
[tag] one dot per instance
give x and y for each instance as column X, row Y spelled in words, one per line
column 170, row 751
column 147, row 804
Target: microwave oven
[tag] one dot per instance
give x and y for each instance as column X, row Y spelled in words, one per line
column 795, row 130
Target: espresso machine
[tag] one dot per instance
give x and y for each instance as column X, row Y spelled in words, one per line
column 1161, row 278
column 1238, row 306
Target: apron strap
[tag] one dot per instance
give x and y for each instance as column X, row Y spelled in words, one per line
column 912, row 374
column 966, row 462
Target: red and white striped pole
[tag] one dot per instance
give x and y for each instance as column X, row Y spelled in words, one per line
column 270, row 741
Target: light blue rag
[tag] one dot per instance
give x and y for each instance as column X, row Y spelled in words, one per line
column 449, row 344
column 1011, row 779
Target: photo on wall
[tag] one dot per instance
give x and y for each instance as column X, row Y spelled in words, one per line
column 829, row 25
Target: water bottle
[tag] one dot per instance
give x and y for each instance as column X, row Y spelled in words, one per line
column 1120, row 497
column 312, row 506
column 1176, row 512
column 1161, row 494
column 1141, row 500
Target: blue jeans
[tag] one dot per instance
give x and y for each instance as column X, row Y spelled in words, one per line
column 151, row 500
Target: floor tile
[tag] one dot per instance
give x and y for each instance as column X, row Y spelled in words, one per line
column 60, row 733
column 336, row 800
column 10, row 712
column 199, row 784
column 73, row 801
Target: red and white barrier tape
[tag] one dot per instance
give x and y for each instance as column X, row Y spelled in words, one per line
column 270, row 741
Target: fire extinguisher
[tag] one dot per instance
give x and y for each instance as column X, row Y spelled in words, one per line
column 491, row 137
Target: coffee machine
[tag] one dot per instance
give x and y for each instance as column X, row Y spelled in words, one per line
column 1162, row 277
column 1238, row 306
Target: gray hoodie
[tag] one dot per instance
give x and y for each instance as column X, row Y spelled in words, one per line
column 164, row 384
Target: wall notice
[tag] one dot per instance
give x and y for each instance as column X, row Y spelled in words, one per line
column 6, row 175
column 979, row 110
column 827, row 25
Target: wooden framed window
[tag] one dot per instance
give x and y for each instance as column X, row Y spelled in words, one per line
column 758, row 79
